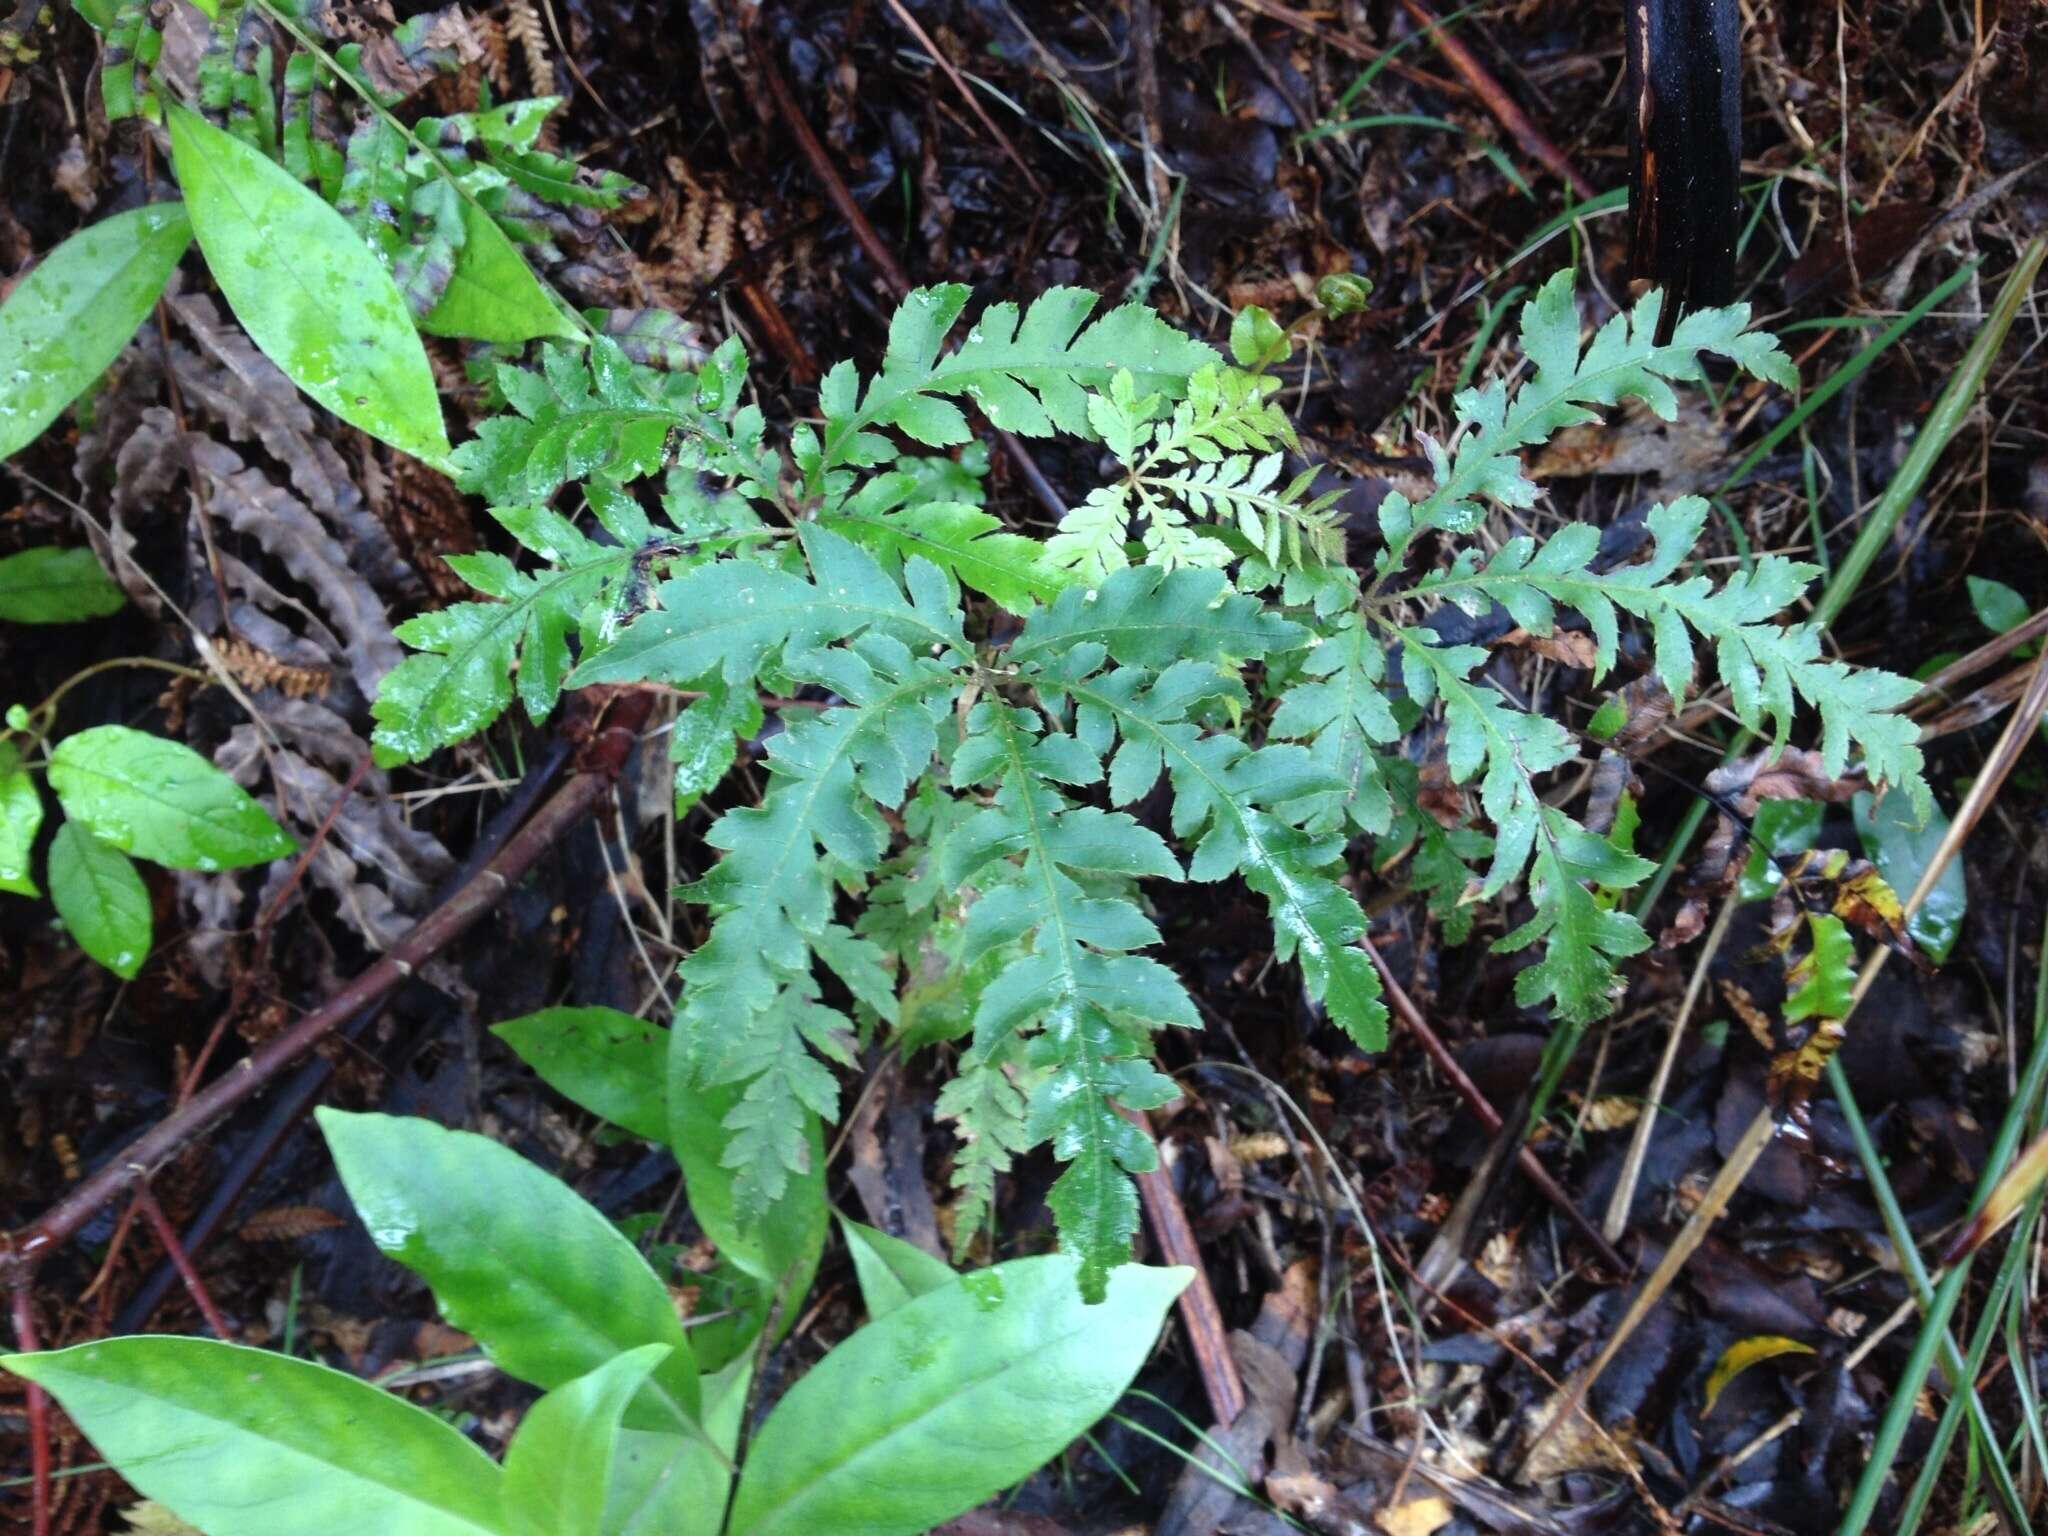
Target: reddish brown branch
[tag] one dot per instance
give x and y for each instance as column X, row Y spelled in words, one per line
column 38, row 1417
column 871, row 241
column 21, row 1252
column 1412, row 1020
column 1534, row 142
column 1199, row 1313
column 145, row 1200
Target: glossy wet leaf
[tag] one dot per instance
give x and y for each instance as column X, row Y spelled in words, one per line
column 71, row 316
column 674, row 1485
column 56, row 586
column 609, row 1062
column 960, row 1393
column 1901, row 851
column 515, row 1257
column 1785, row 828
column 161, row 801
column 21, row 817
column 311, row 295
column 560, row 1462
column 492, row 294
column 243, row 1442
column 99, row 894
column 1741, row 1355
column 890, row 1270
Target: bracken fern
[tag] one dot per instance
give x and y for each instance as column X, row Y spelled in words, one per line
column 950, row 843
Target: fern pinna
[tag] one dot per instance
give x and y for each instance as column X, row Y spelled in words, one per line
column 945, row 828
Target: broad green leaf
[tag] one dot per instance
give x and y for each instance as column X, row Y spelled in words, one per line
column 1901, row 846
column 1997, row 606
column 243, row 1442
column 609, row 1062
column 671, row 1485
column 890, row 1270
column 492, row 293
column 161, row 801
column 311, row 295
column 71, row 316
column 947, row 1400
column 56, row 586
column 21, row 817
column 559, row 1464
column 99, row 894
column 515, row 1257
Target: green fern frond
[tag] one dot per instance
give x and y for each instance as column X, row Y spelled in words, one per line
column 460, row 677
column 1233, row 803
column 1027, row 373
column 1341, row 712
column 1622, row 362
column 987, row 1108
column 1768, row 667
column 594, row 414
column 1215, row 459
column 889, row 518
column 1088, row 1004
column 1482, row 730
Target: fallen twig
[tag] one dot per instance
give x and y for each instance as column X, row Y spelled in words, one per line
column 1535, row 143
column 288, row 1105
column 23, row 1251
column 1207, row 1336
column 871, row 241
column 1412, row 1020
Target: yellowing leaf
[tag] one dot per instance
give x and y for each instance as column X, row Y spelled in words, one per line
column 1741, row 1355
column 1417, row 1517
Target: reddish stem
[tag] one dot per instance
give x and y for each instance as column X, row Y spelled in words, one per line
column 167, row 1234
column 38, row 1412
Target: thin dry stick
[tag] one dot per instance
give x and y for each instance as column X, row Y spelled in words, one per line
column 1616, row 1220
column 21, row 1252
column 2018, row 731
column 1412, row 1020
column 38, row 1416
column 1535, row 143
column 1199, row 1313
column 973, row 101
